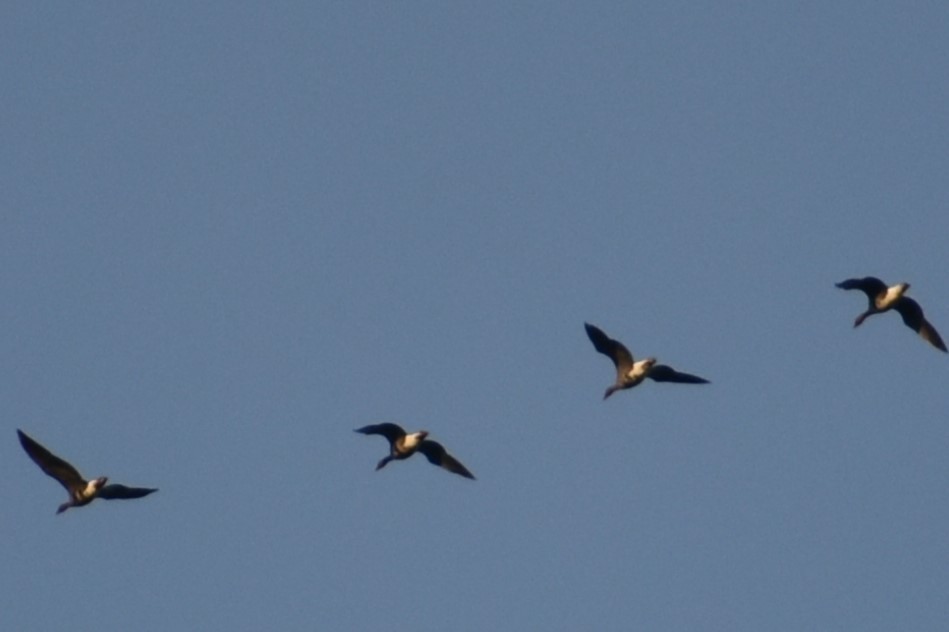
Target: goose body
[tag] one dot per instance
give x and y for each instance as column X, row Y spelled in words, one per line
column 404, row 444
column 630, row 372
column 882, row 299
column 81, row 492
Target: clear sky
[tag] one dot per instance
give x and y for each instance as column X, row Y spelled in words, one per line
column 231, row 233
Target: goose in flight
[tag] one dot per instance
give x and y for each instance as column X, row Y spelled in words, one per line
column 402, row 445
column 81, row 491
column 882, row 299
column 629, row 373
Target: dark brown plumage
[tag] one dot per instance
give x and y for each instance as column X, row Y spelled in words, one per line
column 81, row 492
column 629, row 373
column 402, row 445
column 882, row 299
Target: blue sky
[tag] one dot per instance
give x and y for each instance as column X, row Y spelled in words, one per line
column 234, row 232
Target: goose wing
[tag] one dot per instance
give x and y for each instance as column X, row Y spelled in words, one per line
column 392, row 432
column 871, row 286
column 437, row 455
column 121, row 492
column 613, row 349
column 664, row 373
column 57, row 468
column 912, row 315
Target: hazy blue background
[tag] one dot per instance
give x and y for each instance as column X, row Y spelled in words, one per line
column 233, row 232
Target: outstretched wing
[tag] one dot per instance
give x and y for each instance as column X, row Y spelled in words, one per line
column 437, row 455
column 613, row 349
column 871, row 286
column 664, row 373
column 57, row 468
column 392, row 432
column 912, row 315
column 121, row 492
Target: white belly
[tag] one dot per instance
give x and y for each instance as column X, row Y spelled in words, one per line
column 892, row 295
column 412, row 440
column 639, row 371
column 90, row 490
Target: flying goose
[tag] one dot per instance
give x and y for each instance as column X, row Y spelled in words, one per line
column 630, row 373
column 81, row 491
column 882, row 299
column 402, row 445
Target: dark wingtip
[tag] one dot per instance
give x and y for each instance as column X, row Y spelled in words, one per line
column 460, row 470
column 25, row 440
